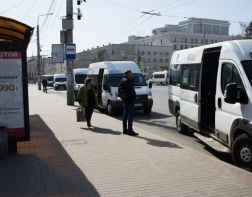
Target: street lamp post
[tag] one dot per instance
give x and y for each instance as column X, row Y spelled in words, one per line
column 38, row 51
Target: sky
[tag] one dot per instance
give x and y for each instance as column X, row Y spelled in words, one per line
column 112, row 21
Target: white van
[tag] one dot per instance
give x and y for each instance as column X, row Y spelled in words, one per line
column 80, row 74
column 49, row 79
column 60, row 81
column 210, row 91
column 108, row 75
column 160, row 77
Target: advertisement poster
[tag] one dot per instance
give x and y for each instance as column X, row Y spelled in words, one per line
column 11, row 93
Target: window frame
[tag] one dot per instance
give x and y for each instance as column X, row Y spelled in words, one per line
column 232, row 76
column 190, row 67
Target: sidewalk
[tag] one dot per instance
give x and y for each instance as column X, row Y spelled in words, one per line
column 64, row 158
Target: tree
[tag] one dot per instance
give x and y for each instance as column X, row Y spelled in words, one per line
column 249, row 31
column 246, row 30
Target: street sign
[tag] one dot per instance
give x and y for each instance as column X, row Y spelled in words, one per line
column 57, row 53
column 70, row 50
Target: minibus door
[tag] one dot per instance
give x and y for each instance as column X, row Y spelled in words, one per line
column 189, row 94
column 100, row 89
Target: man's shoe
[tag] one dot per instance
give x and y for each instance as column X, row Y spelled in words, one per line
column 89, row 124
column 133, row 133
column 125, row 132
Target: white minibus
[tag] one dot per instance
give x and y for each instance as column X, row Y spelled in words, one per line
column 210, row 91
column 107, row 76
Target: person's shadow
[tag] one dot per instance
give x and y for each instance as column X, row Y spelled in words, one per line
column 102, row 130
column 159, row 143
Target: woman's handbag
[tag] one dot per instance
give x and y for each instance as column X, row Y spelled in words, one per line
column 80, row 113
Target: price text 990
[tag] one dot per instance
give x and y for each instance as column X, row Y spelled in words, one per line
column 7, row 87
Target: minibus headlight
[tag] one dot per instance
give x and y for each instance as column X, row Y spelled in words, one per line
column 118, row 98
column 149, row 95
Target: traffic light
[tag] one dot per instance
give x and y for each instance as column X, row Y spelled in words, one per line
column 79, row 14
column 80, row 1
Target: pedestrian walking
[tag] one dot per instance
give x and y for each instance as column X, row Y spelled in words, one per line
column 87, row 98
column 44, row 84
column 128, row 95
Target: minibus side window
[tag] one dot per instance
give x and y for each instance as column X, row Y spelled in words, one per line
column 175, row 75
column 190, row 77
column 230, row 74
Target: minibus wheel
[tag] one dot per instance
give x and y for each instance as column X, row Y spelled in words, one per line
column 110, row 109
column 147, row 111
column 181, row 127
column 242, row 151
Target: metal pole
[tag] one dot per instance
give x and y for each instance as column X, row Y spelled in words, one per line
column 38, row 59
column 69, row 63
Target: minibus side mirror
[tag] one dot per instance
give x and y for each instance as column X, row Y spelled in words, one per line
column 106, row 87
column 242, row 96
column 150, row 84
column 230, row 94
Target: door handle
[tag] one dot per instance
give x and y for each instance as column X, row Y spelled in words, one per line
column 196, row 98
column 219, row 102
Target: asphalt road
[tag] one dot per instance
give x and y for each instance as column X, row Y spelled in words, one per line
column 162, row 123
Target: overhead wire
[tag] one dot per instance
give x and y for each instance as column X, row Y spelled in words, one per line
column 12, row 7
column 46, row 17
column 172, row 3
column 55, row 19
column 51, row 17
column 121, row 5
column 29, row 9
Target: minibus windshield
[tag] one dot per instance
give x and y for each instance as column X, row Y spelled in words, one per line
column 80, row 78
column 115, row 79
column 60, row 79
column 49, row 78
column 247, row 66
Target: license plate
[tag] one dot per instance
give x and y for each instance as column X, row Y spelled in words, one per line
column 138, row 105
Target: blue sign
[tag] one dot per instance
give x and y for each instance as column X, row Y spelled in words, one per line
column 70, row 50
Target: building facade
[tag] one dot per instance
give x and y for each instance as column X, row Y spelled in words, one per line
column 187, row 34
column 47, row 67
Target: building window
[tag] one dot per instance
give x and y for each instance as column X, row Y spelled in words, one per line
column 166, row 60
column 161, row 42
column 151, row 43
column 148, row 53
column 202, row 41
column 206, row 41
column 154, row 53
column 185, row 40
column 160, row 60
column 181, row 46
column 174, row 46
column 154, row 60
column 196, row 40
column 212, row 41
column 224, row 30
column 216, row 29
column 185, row 46
column 161, row 53
column 142, row 53
column 113, row 52
column 207, row 29
column 192, row 40
column 167, row 54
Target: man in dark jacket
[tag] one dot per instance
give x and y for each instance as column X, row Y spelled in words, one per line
column 44, row 84
column 128, row 95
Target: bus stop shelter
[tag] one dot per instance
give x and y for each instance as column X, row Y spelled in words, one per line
column 14, row 111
